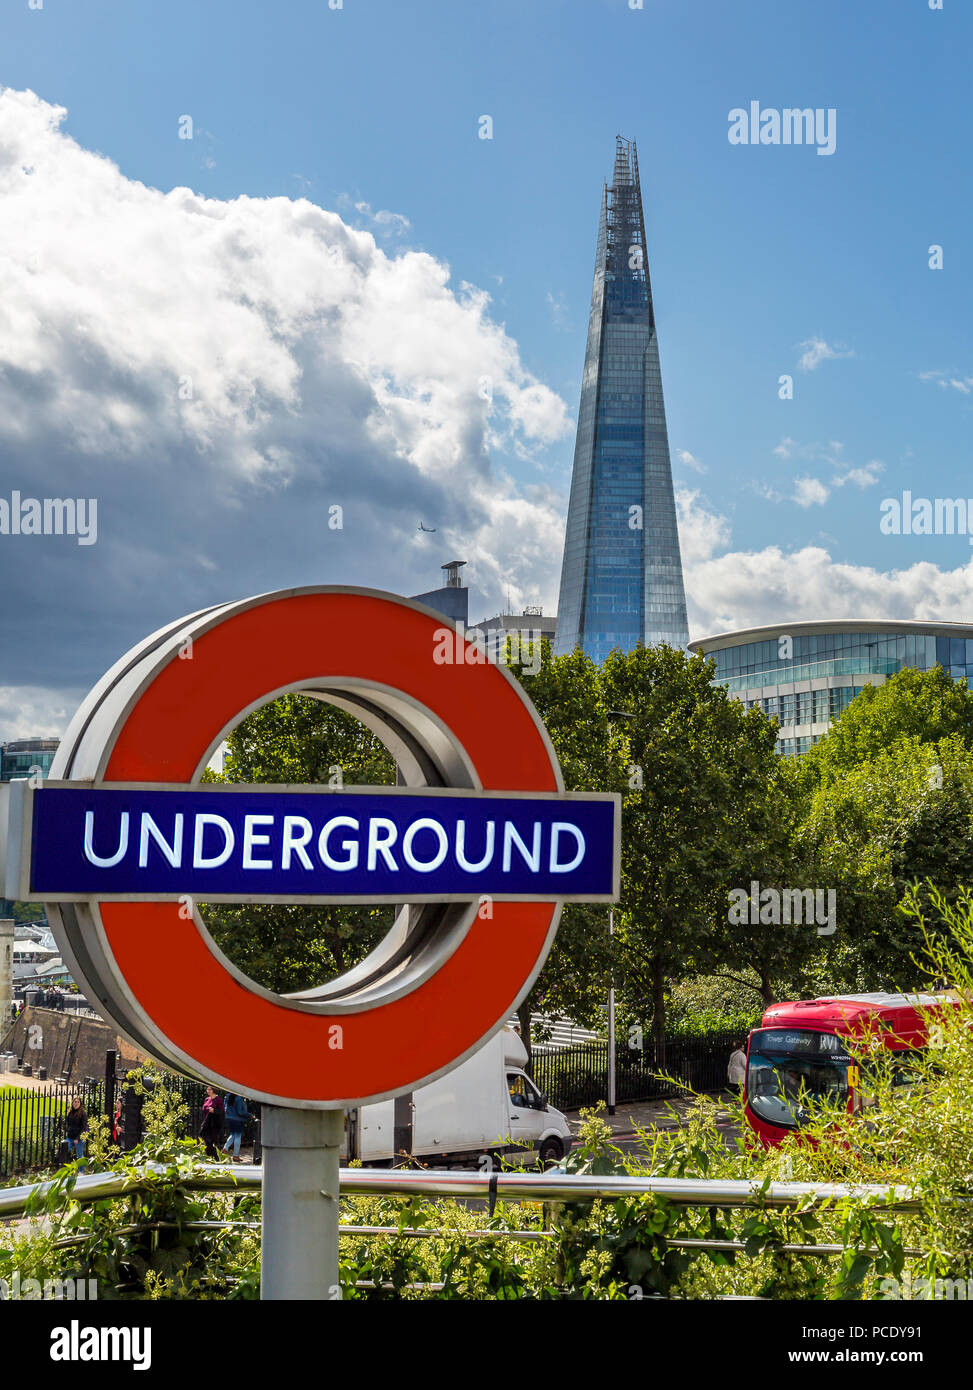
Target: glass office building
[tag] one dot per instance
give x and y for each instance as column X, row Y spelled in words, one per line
column 806, row 674
column 20, row 757
column 621, row 576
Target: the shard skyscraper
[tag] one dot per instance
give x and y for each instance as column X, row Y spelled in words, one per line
column 621, row 577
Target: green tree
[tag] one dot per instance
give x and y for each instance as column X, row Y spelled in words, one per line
column 857, row 814
column 787, row 958
column 297, row 740
column 924, row 705
column 903, row 818
column 568, row 695
column 21, row 912
column 697, row 818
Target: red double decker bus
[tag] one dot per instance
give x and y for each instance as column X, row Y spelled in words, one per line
column 802, row 1057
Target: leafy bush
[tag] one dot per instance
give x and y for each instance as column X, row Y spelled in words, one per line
column 138, row 1245
column 714, row 1004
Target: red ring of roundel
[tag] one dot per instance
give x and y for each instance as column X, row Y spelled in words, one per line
column 268, row 1048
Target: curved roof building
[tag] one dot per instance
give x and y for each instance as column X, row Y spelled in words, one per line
column 805, row 674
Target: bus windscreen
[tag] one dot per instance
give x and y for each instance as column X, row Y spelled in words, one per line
column 793, row 1071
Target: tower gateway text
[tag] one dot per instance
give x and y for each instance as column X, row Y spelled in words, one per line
column 621, row 577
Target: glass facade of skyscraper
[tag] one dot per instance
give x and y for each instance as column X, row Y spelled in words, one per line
column 621, row 576
column 805, row 675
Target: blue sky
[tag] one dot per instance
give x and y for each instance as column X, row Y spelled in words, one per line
column 755, row 252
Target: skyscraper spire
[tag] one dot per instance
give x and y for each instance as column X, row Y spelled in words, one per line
column 621, row 577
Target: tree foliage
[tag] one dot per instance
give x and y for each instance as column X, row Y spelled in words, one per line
column 926, row 706
column 697, row 818
column 568, row 695
column 888, row 804
column 884, row 801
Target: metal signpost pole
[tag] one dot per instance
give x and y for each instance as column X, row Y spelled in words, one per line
column 299, row 1229
column 402, row 1113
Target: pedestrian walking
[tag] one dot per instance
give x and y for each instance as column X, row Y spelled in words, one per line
column 736, row 1071
column 211, row 1130
column 237, row 1115
column 75, row 1128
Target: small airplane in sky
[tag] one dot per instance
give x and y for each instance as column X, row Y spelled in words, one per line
column 430, row 530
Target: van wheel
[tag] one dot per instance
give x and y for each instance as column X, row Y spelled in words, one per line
column 551, row 1151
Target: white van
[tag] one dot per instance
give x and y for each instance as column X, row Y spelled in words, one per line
column 486, row 1105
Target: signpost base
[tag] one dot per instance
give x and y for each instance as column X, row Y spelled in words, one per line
column 299, row 1235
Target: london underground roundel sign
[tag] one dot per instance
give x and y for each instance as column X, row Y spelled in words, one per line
column 124, row 839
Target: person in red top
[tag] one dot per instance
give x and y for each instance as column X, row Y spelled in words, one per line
column 211, row 1130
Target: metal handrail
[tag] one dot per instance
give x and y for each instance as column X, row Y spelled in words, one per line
column 552, row 1186
column 409, row 1232
column 459, row 1232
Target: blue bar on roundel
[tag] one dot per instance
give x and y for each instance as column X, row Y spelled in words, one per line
column 370, row 844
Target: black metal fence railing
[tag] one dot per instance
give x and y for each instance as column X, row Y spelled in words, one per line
column 573, row 1076
column 32, row 1122
column 577, row 1076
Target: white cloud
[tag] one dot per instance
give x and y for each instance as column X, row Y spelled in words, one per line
column 829, row 453
column 768, row 493
column 387, row 221
column 34, row 712
column 946, row 381
column 739, row 590
column 218, row 373
column 685, row 457
column 861, row 477
column 810, row 492
column 558, row 308
column 816, row 351
column 701, row 532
